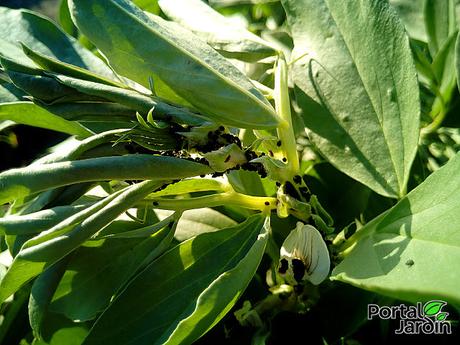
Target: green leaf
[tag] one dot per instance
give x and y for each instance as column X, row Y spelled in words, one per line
column 65, row 20
column 52, row 65
column 191, row 186
column 131, row 99
column 444, row 70
column 148, row 5
column 10, row 93
column 411, row 14
column 221, row 295
column 36, row 222
column 440, row 22
column 457, row 60
column 218, row 31
column 20, row 182
column 42, row 251
column 154, row 47
column 74, row 149
column 43, row 36
column 41, row 294
column 212, row 270
column 28, row 113
column 247, row 182
column 351, row 57
column 58, row 330
column 432, row 308
column 200, row 221
column 100, row 268
column 390, row 253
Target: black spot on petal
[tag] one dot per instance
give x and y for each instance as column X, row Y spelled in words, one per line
column 283, row 266
column 298, row 267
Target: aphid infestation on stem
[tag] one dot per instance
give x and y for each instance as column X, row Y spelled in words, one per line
column 194, row 169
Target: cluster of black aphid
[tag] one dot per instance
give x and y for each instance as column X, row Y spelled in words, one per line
column 217, row 139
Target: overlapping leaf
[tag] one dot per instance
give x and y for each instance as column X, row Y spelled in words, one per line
column 211, row 271
column 42, row 35
column 153, row 47
column 20, row 182
column 217, row 30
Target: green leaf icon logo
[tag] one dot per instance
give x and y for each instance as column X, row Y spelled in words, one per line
column 432, row 308
column 441, row 316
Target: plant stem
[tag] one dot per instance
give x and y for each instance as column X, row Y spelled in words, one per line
column 283, row 108
column 263, row 204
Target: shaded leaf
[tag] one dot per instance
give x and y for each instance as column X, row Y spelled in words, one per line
column 394, row 246
column 100, row 268
column 28, row 113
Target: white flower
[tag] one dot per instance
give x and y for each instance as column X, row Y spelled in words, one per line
column 304, row 256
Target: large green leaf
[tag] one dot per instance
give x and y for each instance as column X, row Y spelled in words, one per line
column 44, row 36
column 186, row 291
column 155, row 47
column 20, row 182
column 357, row 87
column 218, row 31
column 100, row 268
column 28, row 113
column 412, row 251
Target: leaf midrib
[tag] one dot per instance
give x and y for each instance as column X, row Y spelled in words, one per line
column 192, row 57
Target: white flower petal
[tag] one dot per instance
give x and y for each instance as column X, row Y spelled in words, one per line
column 319, row 257
column 305, row 243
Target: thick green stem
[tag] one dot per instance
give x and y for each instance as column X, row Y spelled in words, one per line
column 263, row 204
column 283, row 108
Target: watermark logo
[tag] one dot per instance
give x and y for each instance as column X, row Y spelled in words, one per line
column 428, row 318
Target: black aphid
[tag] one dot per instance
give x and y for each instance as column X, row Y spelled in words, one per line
column 289, row 189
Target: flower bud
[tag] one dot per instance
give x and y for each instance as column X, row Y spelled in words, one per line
column 304, row 256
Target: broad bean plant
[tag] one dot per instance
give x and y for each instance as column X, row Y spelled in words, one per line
column 227, row 162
